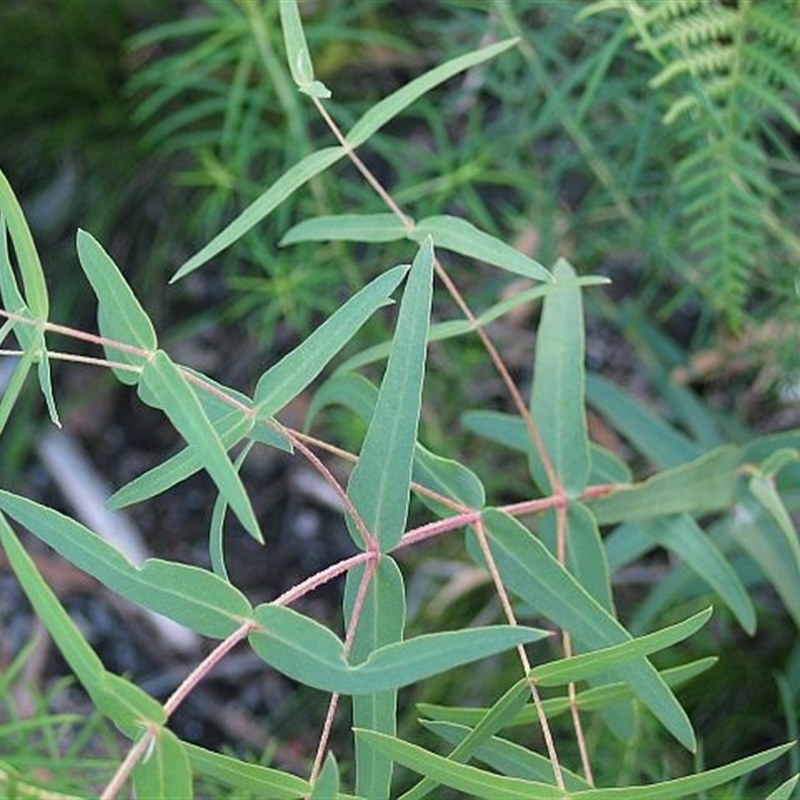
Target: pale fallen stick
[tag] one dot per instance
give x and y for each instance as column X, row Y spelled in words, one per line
column 83, row 489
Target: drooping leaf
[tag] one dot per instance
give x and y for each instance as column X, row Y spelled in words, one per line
column 30, row 266
column 311, row 654
column 706, row 484
column 120, row 315
column 529, row 570
column 165, row 770
column 459, row 236
column 557, row 396
column 346, row 228
column 381, row 622
column 170, row 391
column 286, row 379
column 189, row 595
column 379, row 483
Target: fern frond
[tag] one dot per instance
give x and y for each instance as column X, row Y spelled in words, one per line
column 727, row 70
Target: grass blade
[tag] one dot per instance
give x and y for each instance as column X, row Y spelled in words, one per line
column 379, row 483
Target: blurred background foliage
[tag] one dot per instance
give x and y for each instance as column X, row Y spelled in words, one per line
column 656, row 143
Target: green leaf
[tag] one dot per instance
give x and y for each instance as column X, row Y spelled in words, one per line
column 279, row 190
column 120, row 316
column 533, row 573
column 346, row 228
column 70, row 641
column 784, row 791
column 326, row 785
column 653, row 437
column 189, row 595
column 706, row 484
column 464, row 778
column 297, row 51
column 595, row 699
column 684, row 537
column 587, row 665
column 164, row 771
column 29, row 264
column 494, row 720
column 459, row 236
column 760, row 536
column 381, row 622
column 509, row 431
column 285, row 380
column 388, row 108
column 14, row 386
column 505, row 757
column 478, row 783
column 348, row 389
column 263, row 782
column 379, row 483
column 124, row 702
column 448, row 478
column 164, row 383
column 556, row 404
column 309, row 653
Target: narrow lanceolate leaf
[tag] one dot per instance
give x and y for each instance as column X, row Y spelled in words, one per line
column 706, row 484
column 587, row 665
column 379, row 484
column 470, row 780
column 459, row 236
column 648, row 433
column 279, row 190
column 388, row 108
column 120, row 315
column 346, row 228
column 284, row 381
column 189, row 595
column 684, row 537
column 70, row 641
column 557, row 397
column 127, row 704
column 297, row 51
column 165, row 771
column 29, row 264
column 163, row 382
column 253, row 778
column 381, row 622
column 531, row 571
column 326, row 786
column 309, row 653
column 30, row 337
column 447, row 478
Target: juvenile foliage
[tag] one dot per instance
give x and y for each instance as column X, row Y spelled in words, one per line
column 549, row 557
